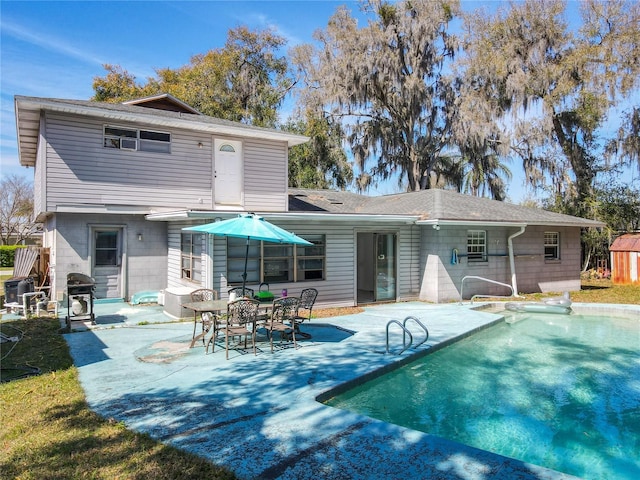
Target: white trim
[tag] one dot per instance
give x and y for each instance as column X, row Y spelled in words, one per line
column 346, row 217
column 121, row 209
column 170, row 120
column 497, row 223
column 470, row 223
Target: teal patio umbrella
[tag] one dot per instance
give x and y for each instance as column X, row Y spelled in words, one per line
column 251, row 227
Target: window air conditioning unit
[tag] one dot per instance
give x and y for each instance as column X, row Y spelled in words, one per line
column 128, row 144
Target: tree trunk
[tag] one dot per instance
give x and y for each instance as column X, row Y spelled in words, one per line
column 578, row 158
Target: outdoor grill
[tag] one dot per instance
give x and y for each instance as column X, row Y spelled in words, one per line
column 80, row 290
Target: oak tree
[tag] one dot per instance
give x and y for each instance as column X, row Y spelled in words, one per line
column 322, row 161
column 245, row 81
column 551, row 85
column 388, row 85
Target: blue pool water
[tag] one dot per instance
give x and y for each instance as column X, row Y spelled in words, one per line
column 561, row 391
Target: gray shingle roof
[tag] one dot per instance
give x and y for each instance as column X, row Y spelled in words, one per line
column 434, row 204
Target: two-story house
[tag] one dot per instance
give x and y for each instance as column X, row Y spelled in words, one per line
column 115, row 184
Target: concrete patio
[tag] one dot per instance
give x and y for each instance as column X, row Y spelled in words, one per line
column 258, row 415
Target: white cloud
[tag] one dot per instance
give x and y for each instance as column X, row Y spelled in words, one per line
column 46, row 80
column 263, row 21
column 48, row 42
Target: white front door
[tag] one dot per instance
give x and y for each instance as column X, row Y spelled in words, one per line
column 228, row 169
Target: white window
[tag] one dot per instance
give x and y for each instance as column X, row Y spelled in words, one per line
column 191, row 252
column 275, row 262
column 477, row 246
column 551, row 245
column 227, row 148
column 310, row 259
column 131, row 139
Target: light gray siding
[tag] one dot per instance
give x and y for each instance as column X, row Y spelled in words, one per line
column 441, row 280
column 144, row 261
column 146, row 258
column 80, row 171
column 174, row 268
column 409, row 264
column 535, row 274
column 266, row 176
column 338, row 288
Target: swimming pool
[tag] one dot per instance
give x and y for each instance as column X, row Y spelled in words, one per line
column 561, row 391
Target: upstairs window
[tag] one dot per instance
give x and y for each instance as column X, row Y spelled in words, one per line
column 551, row 246
column 476, row 246
column 131, row 139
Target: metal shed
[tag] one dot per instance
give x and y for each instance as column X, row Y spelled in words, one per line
column 625, row 259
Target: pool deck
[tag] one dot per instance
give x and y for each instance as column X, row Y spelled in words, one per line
column 258, row 415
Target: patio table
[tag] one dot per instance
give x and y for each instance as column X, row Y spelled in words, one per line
column 210, row 306
column 215, row 307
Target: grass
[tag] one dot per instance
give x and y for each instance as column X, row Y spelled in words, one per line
column 5, row 274
column 47, row 430
column 598, row 291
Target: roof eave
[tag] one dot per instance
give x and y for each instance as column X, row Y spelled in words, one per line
column 500, row 223
column 348, row 217
column 478, row 223
column 343, row 217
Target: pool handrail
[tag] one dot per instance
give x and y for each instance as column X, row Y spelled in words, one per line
column 426, row 331
column 405, row 332
column 475, row 277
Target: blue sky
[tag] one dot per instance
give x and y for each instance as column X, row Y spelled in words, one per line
column 55, row 49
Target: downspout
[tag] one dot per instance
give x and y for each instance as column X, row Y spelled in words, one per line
column 512, row 262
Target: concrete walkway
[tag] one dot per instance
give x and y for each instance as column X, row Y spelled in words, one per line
column 258, row 415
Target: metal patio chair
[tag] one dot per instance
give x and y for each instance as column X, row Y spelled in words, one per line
column 282, row 319
column 207, row 319
column 241, row 321
column 303, row 313
column 241, row 292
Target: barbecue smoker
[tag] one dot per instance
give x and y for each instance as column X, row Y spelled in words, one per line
column 80, row 289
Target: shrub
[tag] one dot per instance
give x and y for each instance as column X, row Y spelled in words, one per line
column 8, row 255
column 596, row 274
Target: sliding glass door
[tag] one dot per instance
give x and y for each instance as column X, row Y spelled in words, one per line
column 376, row 267
column 385, row 266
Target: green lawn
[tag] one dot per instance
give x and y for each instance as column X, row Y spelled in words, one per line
column 47, row 430
column 599, row 291
column 5, row 274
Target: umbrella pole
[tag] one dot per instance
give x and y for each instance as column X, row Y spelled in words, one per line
column 244, row 275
